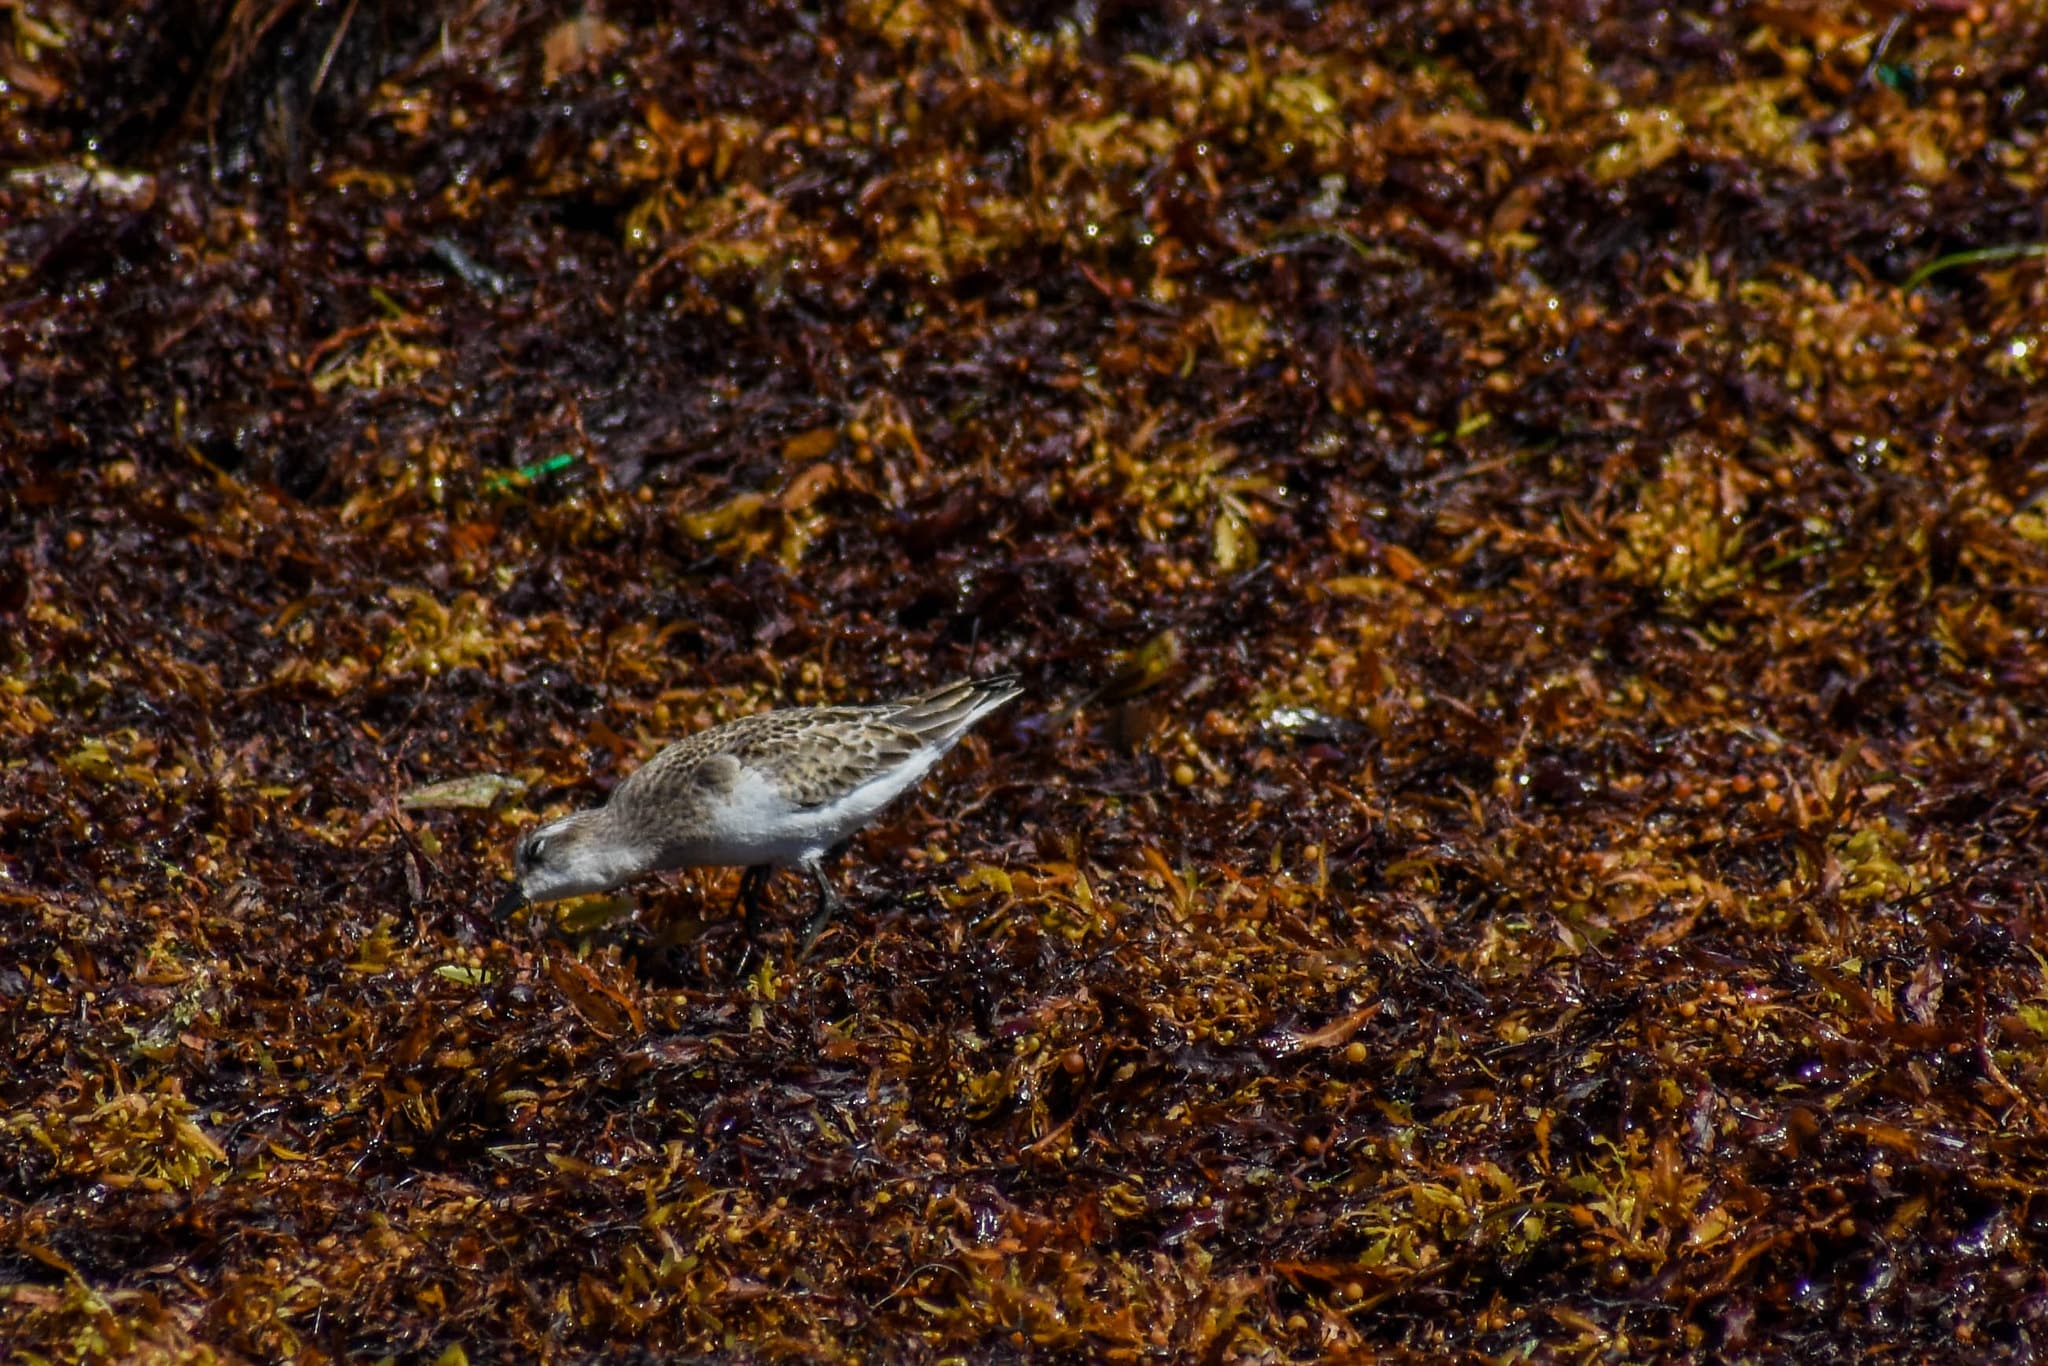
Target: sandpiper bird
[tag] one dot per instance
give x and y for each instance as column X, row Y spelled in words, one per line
column 776, row 790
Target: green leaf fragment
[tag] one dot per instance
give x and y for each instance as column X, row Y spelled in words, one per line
column 474, row 792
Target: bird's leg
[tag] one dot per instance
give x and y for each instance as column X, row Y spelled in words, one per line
column 753, row 886
column 828, row 906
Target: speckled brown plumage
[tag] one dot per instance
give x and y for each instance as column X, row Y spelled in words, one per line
column 812, row 754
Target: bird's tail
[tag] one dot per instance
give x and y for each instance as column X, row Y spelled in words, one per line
column 943, row 715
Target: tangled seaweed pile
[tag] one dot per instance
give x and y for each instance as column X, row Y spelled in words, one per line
column 1527, row 541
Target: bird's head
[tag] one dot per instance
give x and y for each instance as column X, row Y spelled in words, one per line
column 568, row 856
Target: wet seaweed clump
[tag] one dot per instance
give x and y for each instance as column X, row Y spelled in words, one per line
column 1526, row 533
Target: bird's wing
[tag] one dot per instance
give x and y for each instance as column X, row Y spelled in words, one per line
column 818, row 755
column 813, row 755
column 943, row 715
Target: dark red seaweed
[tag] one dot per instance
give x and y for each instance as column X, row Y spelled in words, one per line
column 1526, row 529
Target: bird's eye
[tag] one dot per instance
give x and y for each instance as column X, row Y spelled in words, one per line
column 536, row 848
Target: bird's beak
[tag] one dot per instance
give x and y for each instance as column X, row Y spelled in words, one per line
column 514, row 898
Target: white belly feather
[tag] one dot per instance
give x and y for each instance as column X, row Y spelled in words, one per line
column 756, row 824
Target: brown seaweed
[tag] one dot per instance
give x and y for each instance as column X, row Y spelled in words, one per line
column 1524, row 526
